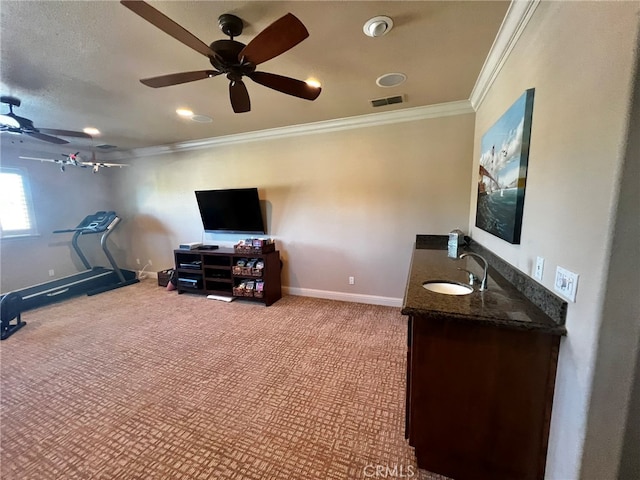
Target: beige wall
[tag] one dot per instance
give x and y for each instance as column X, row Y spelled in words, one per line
column 621, row 310
column 350, row 203
column 61, row 200
column 579, row 57
column 343, row 203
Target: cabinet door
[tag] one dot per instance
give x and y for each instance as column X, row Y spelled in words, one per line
column 480, row 399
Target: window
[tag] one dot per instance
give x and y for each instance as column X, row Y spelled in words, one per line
column 16, row 210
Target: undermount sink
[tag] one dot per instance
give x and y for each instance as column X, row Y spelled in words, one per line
column 448, row 288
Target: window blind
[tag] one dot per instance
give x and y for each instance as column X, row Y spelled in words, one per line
column 15, row 207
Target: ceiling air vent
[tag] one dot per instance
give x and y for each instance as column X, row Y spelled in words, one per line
column 379, row 102
column 105, row 146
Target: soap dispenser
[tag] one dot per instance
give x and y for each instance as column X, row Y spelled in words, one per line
column 456, row 241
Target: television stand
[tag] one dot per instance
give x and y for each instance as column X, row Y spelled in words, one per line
column 216, row 272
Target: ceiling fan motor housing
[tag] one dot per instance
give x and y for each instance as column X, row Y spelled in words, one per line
column 230, row 25
column 11, row 101
column 227, row 59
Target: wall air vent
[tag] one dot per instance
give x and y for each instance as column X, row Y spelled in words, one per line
column 105, row 146
column 379, row 102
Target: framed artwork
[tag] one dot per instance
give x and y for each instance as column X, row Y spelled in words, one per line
column 502, row 172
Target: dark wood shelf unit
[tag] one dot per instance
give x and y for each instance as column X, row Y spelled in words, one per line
column 214, row 275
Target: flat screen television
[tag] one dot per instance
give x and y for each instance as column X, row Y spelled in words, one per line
column 234, row 210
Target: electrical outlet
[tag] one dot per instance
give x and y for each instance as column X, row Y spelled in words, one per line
column 149, row 262
column 52, row 273
column 537, row 271
column 138, row 261
column 352, row 280
column 566, row 283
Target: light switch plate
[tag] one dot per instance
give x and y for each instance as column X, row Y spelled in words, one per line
column 537, row 271
column 566, row 283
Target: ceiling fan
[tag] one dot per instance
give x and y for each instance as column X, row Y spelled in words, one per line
column 232, row 58
column 10, row 122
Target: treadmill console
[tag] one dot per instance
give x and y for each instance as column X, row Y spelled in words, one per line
column 96, row 223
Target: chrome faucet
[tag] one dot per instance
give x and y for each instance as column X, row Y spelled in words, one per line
column 483, row 284
column 472, row 277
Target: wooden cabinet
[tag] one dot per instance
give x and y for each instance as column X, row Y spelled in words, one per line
column 216, row 272
column 479, row 398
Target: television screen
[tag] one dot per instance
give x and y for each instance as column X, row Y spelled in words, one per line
column 230, row 211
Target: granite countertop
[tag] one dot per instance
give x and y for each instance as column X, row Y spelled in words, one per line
column 500, row 305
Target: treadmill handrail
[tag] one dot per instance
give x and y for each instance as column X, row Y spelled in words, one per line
column 106, row 231
column 103, row 244
column 84, row 230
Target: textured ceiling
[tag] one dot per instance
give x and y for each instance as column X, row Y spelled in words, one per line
column 77, row 64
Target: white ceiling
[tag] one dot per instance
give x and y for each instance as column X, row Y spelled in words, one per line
column 78, row 63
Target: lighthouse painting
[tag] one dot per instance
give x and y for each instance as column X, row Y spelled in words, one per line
column 502, row 171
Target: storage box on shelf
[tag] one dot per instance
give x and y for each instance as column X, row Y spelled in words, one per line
column 228, row 272
column 255, row 246
column 164, row 276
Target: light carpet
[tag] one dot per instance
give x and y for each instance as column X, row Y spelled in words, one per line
column 141, row 383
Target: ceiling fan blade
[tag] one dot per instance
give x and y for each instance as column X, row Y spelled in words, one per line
column 178, row 78
column 287, row 85
column 46, row 138
column 64, row 133
column 239, row 96
column 277, row 38
column 168, row 26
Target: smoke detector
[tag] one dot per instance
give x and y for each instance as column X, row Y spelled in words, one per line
column 391, row 79
column 377, row 26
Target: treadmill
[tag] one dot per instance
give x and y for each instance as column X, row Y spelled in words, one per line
column 92, row 281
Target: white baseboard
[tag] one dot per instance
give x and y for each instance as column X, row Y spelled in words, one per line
column 345, row 297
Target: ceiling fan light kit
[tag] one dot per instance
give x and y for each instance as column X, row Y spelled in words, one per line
column 231, row 58
column 9, row 121
column 377, row 26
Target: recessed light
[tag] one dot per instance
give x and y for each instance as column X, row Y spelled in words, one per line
column 391, row 79
column 91, row 131
column 377, row 26
column 201, row 119
column 184, row 112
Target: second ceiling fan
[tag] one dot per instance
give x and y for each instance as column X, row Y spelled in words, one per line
column 232, row 58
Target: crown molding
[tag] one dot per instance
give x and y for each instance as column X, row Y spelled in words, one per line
column 369, row 120
column 514, row 23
